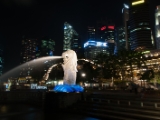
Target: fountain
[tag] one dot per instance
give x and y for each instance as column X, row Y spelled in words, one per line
column 70, row 71
column 69, row 66
column 33, row 63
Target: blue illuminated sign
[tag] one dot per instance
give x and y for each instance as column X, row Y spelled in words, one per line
column 94, row 43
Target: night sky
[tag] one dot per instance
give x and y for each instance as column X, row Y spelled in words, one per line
column 38, row 18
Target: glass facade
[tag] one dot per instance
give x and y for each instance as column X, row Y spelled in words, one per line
column 47, row 47
column 110, row 33
column 75, row 45
column 125, row 12
column 157, row 26
column 139, row 22
column 120, row 38
column 29, row 51
column 69, row 34
column 93, row 48
column 91, row 33
column 106, row 32
column 1, row 60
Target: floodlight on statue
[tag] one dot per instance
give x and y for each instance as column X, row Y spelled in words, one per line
column 70, row 73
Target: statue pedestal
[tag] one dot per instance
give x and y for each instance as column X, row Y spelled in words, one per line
column 68, row 88
column 55, row 102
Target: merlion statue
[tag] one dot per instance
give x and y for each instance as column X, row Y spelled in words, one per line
column 70, row 73
column 69, row 67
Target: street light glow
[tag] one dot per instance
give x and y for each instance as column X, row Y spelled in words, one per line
column 83, row 74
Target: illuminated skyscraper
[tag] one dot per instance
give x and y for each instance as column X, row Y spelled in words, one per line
column 157, row 27
column 75, row 45
column 29, row 51
column 120, row 38
column 47, row 47
column 69, row 34
column 106, row 32
column 139, row 22
column 111, row 38
column 101, row 30
column 1, row 60
column 93, row 48
column 91, row 33
column 125, row 12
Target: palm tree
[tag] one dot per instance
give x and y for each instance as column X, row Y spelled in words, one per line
column 140, row 62
column 122, row 62
column 101, row 60
column 131, row 61
column 128, row 60
column 111, row 66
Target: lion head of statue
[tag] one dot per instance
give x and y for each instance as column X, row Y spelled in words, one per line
column 69, row 59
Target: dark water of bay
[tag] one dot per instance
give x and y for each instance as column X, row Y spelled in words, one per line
column 20, row 112
column 28, row 112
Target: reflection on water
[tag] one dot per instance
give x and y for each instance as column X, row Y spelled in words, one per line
column 20, row 112
column 3, row 109
column 13, row 108
column 27, row 112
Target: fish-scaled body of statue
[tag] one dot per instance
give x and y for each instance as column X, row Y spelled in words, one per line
column 70, row 67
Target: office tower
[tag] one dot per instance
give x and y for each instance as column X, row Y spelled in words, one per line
column 125, row 12
column 105, row 32
column 1, row 60
column 101, row 30
column 69, row 34
column 139, row 22
column 29, row 51
column 120, row 38
column 75, row 45
column 111, row 38
column 91, row 32
column 93, row 48
column 157, row 26
column 47, row 47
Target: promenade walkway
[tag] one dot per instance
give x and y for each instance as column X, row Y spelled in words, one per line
column 95, row 105
column 120, row 105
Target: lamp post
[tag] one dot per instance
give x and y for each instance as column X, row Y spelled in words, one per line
column 83, row 75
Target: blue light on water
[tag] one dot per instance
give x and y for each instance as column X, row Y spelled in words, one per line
column 68, row 88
